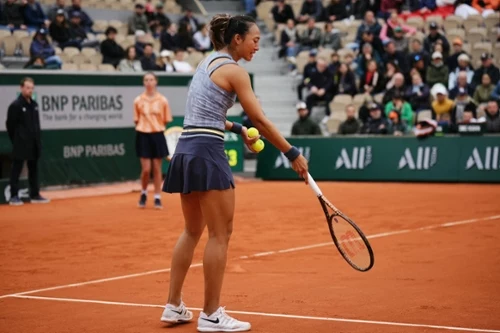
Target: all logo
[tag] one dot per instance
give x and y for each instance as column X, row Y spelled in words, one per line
column 358, row 158
column 486, row 159
column 282, row 161
column 424, row 158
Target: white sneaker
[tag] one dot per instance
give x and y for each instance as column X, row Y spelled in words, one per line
column 176, row 314
column 220, row 321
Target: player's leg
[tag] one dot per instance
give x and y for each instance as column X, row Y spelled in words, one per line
column 218, row 211
column 145, row 172
column 182, row 257
column 157, row 162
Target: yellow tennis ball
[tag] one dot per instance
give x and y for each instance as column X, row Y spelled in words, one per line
column 252, row 132
column 258, row 145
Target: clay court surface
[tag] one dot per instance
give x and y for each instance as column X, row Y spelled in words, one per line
column 100, row 264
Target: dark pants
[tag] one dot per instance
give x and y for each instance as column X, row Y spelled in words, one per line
column 17, row 167
column 313, row 99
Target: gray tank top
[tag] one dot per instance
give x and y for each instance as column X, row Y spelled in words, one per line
column 207, row 103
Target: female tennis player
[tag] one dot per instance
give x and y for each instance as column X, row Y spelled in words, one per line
column 151, row 115
column 200, row 172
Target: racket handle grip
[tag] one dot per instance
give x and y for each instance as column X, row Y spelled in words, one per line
column 313, row 185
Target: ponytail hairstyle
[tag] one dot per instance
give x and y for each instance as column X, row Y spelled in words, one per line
column 224, row 27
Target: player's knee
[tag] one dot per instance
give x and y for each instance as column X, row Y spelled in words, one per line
column 146, row 171
column 222, row 234
column 194, row 232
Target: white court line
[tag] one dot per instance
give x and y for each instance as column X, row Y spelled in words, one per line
column 262, row 254
column 276, row 315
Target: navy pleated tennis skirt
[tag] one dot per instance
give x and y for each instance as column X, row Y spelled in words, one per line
column 199, row 163
column 151, row 145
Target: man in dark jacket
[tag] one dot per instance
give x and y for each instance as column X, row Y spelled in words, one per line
column 492, row 117
column 435, row 37
column 112, row 53
column 34, row 16
column 23, row 127
column 376, row 124
column 487, row 67
column 320, row 86
column 304, row 125
column 351, row 125
column 11, row 15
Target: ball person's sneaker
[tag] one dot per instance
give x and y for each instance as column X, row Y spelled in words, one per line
column 38, row 199
column 176, row 314
column 158, row 204
column 142, row 201
column 220, row 321
column 15, row 201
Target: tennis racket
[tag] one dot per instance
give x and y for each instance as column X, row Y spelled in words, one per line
column 347, row 236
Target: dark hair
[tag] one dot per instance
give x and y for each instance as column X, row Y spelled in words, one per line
column 27, row 79
column 128, row 50
column 110, row 30
column 224, row 27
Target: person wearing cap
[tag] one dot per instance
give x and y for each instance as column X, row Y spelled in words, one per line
column 86, row 21
column 400, row 41
column 165, row 61
column 395, row 23
column 482, row 93
column 463, row 104
column 350, row 125
column 309, row 68
column 435, row 36
column 416, row 49
column 400, row 105
column 34, row 16
column 11, row 16
column 282, row 12
column 157, row 20
column 437, row 72
column 111, row 51
column 398, row 126
column 304, row 125
column 54, row 9
column 418, row 94
column 376, row 124
column 492, row 116
column 462, row 66
column 442, row 106
column 487, row 67
column 59, row 31
column 138, row 20
column 41, row 47
column 78, row 32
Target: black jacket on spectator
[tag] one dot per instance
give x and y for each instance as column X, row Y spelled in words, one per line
column 338, row 10
column 309, row 69
column 417, row 102
column 423, row 54
column 77, row 32
column 186, row 20
column 169, row 42
column 374, row 29
column 148, row 64
column 23, row 127
column 376, row 126
column 429, row 42
column 284, row 15
column 86, row 20
column 492, row 71
column 398, row 58
column 313, row 8
column 459, row 109
column 112, row 53
column 321, row 80
column 349, row 126
column 285, row 39
column 305, row 127
column 161, row 18
column 358, row 9
column 59, row 33
column 391, row 92
column 11, row 14
column 454, row 92
column 345, row 84
column 493, row 123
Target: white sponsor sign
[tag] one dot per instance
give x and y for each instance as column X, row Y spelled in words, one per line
column 359, row 158
column 484, row 159
column 79, row 107
column 424, row 159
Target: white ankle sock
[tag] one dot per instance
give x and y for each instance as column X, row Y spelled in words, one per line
column 144, row 192
column 157, row 196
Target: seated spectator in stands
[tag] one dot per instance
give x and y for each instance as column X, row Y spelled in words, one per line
column 452, row 60
column 369, row 23
column 486, row 7
column 416, row 49
column 397, row 86
column 376, row 124
column 368, row 37
column 38, row 63
column 390, row 70
column 167, row 61
column 344, row 81
column 463, row 104
column 372, row 81
column 148, row 59
column 282, row 12
column 398, row 57
column 130, row 63
column 434, row 37
column 12, row 16
column 201, row 39
column 349, row 61
column 157, row 20
column 53, row 10
column 289, row 41
column 483, row 92
column 351, row 125
column 418, row 67
column 138, row 20
column 496, row 92
column 60, row 33
column 395, row 23
column 112, row 53
column 398, row 125
column 86, row 21
column 40, row 47
column 309, row 68
column 311, row 9
column 304, row 125
column 169, row 39
column 141, row 39
column 335, row 63
column 181, row 66
column 400, row 105
column 463, row 66
column 185, row 35
column 487, row 67
column 419, row 8
column 400, row 40
column 367, row 54
column 191, row 20
column 357, row 8
column 34, row 16
column 461, row 83
column 437, row 72
column 320, row 86
column 311, row 36
column 442, row 106
column 492, row 117
column 418, row 94
column 336, row 10
column 331, row 38
column 78, row 33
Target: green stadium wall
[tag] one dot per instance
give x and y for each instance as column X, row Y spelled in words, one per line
column 435, row 159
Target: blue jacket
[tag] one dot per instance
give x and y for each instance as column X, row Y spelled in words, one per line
column 43, row 49
column 34, row 15
column 419, row 4
column 496, row 92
